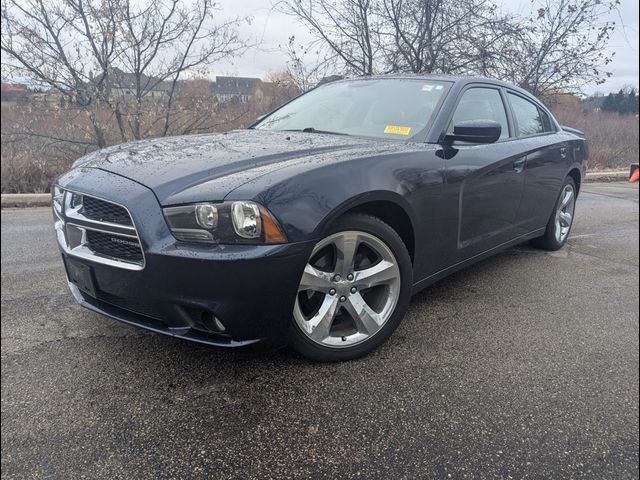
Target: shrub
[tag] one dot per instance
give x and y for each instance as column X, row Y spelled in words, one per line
column 613, row 138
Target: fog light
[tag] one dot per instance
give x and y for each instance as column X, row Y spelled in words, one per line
column 210, row 321
column 219, row 324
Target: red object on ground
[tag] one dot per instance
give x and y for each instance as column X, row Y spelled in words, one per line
column 634, row 174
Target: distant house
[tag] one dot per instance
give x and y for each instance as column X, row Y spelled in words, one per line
column 12, row 92
column 124, row 85
column 49, row 97
column 239, row 89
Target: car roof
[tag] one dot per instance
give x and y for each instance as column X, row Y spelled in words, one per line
column 458, row 79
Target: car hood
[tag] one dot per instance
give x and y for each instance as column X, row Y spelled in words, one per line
column 216, row 164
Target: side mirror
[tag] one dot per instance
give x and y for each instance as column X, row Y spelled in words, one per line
column 475, row 131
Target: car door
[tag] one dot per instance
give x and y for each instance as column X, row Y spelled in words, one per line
column 546, row 159
column 489, row 177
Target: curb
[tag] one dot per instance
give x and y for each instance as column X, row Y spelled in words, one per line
column 25, row 200
column 607, row 176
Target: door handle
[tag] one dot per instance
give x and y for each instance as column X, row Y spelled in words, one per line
column 518, row 165
column 563, row 152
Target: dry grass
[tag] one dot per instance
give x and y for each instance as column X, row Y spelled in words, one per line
column 40, row 141
column 613, row 138
column 29, row 161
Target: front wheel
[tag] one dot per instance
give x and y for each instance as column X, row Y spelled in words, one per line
column 354, row 291
column 561, row 220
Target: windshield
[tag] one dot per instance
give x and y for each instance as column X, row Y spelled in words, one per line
column 382, row 108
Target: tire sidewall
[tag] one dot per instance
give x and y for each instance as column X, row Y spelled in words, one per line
column 374, row 226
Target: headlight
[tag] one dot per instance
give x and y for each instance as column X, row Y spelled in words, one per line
column 228, row 222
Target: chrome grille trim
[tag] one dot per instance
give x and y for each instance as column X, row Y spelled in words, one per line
column 97, row 224
column 72, row 226
column 106, row 212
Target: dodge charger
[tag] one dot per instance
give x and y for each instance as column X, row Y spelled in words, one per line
column 316, row 225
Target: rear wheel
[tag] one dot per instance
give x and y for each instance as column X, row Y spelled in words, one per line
column 354, row 291
column 561, row 220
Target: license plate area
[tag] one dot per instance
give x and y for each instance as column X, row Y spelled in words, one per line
column 81, row 276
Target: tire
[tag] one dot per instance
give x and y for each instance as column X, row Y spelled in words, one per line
column 345, row 309
column 554, row 239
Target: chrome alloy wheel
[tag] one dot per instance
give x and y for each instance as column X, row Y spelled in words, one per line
column 564, row 213
column 348, row 291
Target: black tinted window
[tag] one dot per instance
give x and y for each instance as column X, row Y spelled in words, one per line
column 528, row 116
column 546, row 121
column 481, row 104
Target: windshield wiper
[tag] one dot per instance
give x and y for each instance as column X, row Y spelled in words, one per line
column 314, row 130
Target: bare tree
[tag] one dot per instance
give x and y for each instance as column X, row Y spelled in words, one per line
column 347, row 29
column 442, row 36
column 282, row 87
column 304, row 71
column 561, row 47
column 37, row 44
column 163, row 40
column 110, row 57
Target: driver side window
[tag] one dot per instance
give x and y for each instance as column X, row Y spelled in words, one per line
column 480, row 103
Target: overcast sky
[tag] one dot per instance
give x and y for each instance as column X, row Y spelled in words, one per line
column 272, row 29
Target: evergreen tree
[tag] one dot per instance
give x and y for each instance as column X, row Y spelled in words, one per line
column 623, row 102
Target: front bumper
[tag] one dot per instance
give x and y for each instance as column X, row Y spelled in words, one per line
column 183, row 289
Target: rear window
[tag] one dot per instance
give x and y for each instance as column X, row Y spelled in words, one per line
column 547, row 124
column 530, row 119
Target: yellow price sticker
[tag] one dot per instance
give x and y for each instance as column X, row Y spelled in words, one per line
column 397, row 130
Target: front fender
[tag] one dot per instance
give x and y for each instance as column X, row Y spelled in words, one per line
column 305, row 198
column 363, row 199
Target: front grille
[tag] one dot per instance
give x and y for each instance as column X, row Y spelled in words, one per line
column 114, row 246
column 98, row 230
column 102, row 211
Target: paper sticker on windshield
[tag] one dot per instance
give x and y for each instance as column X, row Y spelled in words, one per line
column 427, row 87
column 397, row 130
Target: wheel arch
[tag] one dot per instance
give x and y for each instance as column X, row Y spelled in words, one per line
column 389, row 207
column 577, row 177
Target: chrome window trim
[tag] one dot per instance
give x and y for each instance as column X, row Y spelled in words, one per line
column 72, row 217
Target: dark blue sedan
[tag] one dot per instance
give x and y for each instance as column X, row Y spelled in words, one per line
column 316, row 225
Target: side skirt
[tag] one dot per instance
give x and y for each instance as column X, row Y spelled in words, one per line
column 431, row 279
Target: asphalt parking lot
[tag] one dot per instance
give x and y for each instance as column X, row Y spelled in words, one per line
column 522, row 366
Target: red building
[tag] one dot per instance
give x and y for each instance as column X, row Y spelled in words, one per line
column 12, row 91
